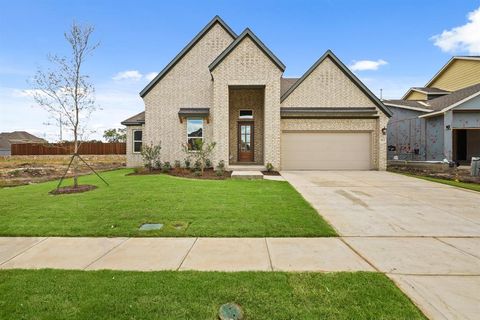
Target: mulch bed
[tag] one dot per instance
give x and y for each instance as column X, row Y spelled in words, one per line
column 271, row 173
column 71, row 189
column 453, row 174
column 209, row 174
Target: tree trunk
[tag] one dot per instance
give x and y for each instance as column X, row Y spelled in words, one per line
column 75, row 159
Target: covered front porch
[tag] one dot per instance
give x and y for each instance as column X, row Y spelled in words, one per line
column 246, row 125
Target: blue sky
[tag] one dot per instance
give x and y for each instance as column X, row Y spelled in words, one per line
column 391, row 43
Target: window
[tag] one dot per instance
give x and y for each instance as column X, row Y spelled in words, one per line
column 246, row 114
column 137, row 141
column 194, row 133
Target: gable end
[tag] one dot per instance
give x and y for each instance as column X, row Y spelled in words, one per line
column 256, row 40
column 187, row 48
column 347, row 72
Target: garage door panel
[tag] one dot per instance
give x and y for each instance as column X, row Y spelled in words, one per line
column 326, row 151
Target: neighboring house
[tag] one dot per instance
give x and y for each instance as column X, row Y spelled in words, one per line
column 440, row 120
column 9, row 138
column 228, row 88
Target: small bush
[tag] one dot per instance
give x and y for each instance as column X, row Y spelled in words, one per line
column 219, row 172
column 208, row 163
column 197, row 173
column 166, row 166
column 187, row 163
column 157, row 165
column 197, row 166
column 151, row 155
column 221, row 165
column 177, row 164
column 269, row 167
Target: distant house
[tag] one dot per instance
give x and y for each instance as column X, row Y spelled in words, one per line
column 9, row 138
column 440, row 120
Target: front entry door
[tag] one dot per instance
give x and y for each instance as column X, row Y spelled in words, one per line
column 245, row 141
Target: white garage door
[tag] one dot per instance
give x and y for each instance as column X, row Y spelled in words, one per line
column 326, row 151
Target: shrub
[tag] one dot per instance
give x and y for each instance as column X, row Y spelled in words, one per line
column 151, row 155
column 269, row 167
column 157, row 164
column 221, row 165
column 208, row 163
column 202, row 152
column 166, row 166
column 219, row 172
column 177, row 164
column 197, row 166
column 197, row 173
column 187, row 163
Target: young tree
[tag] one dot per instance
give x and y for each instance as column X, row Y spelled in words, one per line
column 65, row 91
column 115, row 135
column 201, row 152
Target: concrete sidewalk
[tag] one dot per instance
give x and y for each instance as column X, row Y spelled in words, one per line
column 204, row 254
column 440, row 275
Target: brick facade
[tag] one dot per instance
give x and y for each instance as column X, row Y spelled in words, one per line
column 191, row 84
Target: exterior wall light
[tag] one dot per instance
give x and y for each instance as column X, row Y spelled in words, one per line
column 384, row 131
column 448, row 127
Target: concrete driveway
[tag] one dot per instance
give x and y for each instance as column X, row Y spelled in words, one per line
column 372, row 203
column 425, row 236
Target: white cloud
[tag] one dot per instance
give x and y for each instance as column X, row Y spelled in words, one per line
column 363, row 65
column 150, row 76
column 464, row 38
column 128, row 75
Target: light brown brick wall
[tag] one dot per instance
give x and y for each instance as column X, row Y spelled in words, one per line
column 327, row 86
column 247, row 65
column 133, row 159
column 251, row 99
column 187, row 85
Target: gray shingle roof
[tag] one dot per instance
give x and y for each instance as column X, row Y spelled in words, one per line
column 454, row 97
column 286, row 83
column 407, row 103
column 136, row 120
column 9, row 138
column 430, row 90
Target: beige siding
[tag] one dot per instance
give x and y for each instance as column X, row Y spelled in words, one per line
column 459, row 74
column 187, row 85
column 247, row 65
column 327, row 86
column 415, row 95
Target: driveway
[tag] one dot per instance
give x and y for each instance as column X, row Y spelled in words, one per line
column 425, row 236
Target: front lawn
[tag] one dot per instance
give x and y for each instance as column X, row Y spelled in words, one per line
column 458, row 184
column 186, row 207
column 58, row 294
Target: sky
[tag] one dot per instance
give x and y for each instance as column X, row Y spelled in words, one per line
column 390, row 45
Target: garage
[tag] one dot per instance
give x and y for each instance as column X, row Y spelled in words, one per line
column 313, row 150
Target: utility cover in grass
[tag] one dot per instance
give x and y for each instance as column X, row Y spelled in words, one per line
column 151, row 226
column 230, row 311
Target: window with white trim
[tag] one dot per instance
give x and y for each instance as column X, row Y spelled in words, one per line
column 194, row 133
column 137, row 141
column 245, row 114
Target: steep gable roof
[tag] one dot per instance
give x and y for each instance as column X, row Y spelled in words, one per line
column 185, row 50
column 137, row 119
column 347, row 72
column 246, row 33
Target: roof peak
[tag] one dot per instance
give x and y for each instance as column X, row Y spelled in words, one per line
column 246, row 32
column 216, row 19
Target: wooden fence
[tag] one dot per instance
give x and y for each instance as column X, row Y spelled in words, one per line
column 26, row 149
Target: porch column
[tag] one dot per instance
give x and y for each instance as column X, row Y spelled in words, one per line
column 447, row 135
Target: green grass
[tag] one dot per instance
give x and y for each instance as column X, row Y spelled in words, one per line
column 59, row 294
column 458, row 184
column 187, row 207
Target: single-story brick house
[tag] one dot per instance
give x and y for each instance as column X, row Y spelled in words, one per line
column 228, row 88
column 440, row 120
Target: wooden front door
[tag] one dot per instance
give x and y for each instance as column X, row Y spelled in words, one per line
column 245, row 142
